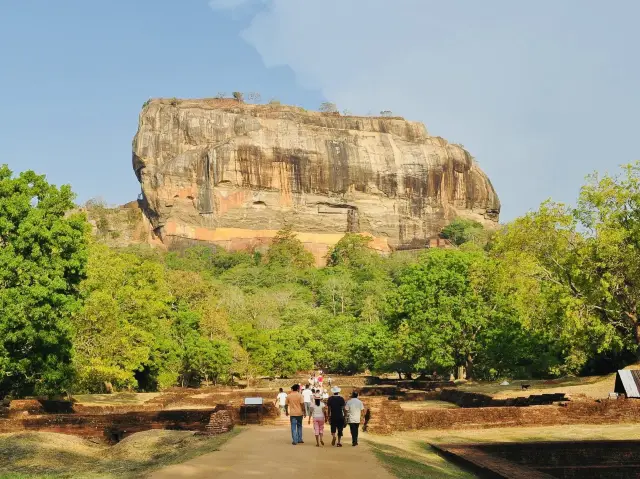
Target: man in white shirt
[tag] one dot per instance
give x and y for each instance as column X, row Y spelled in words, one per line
column 281, row 401
column 307, row 395
column 354, row 408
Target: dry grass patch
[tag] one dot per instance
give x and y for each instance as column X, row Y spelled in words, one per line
column 115, row 399
column 576, row 432
column 416, row 460
column 429, row 404
column 48, row 455
column 596, row 387
column 408, row 454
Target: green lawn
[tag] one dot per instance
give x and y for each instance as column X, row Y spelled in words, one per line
column 428, row 464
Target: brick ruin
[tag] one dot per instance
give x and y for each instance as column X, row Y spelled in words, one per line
column 210, row 412
column 529, row 460
column 217, row 410
column 388, row 416
column 545, row 460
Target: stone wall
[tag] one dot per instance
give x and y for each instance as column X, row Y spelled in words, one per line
column 387, row 416
column 107, row 425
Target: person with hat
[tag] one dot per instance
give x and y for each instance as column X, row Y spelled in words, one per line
column 336, row 405
column 319, row 413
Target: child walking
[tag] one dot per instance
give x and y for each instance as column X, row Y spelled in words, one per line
column 319, row 414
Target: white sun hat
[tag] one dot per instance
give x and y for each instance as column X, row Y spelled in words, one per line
column 335, row 390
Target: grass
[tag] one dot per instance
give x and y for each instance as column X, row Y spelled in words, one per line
column 575, row 432
column 430, row 403
column 23, row 476
column 115, row 399
column 405, row 465
column 593, row 386
column 408, row 455
column 49, row 456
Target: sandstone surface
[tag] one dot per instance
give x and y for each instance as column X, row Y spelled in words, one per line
column 233, row 174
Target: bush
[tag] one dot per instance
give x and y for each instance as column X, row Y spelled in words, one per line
column 328, row 107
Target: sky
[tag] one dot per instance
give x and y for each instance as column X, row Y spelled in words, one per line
column 541, row 93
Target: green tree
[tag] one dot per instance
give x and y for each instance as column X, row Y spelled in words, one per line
column 288, row 251
column 43, row 254
column 124, row 327
column 337, row 293
column 328, row 107
column 352, row 250
column 548, row 264
column 461, row 231
column 201, row 359
column 609, row 210
column 442, row 308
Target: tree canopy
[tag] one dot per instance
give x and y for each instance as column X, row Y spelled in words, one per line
column 43, row 255
column 554, row 292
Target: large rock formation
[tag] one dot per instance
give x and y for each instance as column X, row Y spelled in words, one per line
column 232, row 174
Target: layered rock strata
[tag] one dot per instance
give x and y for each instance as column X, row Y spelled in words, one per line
column 233, row 174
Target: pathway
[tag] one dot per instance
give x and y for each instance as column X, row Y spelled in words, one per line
column 263, row 452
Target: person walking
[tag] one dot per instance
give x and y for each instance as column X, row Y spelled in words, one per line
column 319, row 413
column 354, row 410
column 307, row 395
column 281, row 401
column 294, row 409
column 336, row 405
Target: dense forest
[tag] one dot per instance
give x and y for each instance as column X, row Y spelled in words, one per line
column 552, row 293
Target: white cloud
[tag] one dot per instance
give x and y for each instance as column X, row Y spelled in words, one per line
column 536, row 90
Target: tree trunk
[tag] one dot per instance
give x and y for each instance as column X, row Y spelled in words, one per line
column 469, row 366
column 399, row 375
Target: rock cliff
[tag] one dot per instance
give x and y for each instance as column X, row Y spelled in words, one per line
column 232, row 174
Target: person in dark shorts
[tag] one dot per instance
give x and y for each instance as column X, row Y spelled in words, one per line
column 335, row 405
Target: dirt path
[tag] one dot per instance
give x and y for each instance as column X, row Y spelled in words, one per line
column 266, row 452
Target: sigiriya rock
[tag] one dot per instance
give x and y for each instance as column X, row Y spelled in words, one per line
column 223, row 172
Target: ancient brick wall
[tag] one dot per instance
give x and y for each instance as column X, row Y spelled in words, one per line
column 388, row 416
column 101, row 425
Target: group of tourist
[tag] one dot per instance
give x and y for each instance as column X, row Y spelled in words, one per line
column 310, row 403
column 317, row 380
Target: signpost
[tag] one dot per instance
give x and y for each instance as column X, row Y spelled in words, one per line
column 253, row 406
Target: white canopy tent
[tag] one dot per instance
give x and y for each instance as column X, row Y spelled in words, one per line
column 628, row 383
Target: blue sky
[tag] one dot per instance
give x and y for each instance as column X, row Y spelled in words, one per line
column 542, row 93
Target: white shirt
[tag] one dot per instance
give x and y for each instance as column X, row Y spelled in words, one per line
column 317, row 412
column 282, row 399
column 325, row 396
column 354, row 410
column 307, row 395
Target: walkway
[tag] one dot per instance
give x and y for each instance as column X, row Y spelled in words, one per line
column 266, row 452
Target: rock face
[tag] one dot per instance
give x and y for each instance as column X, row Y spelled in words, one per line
column 233, row 174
